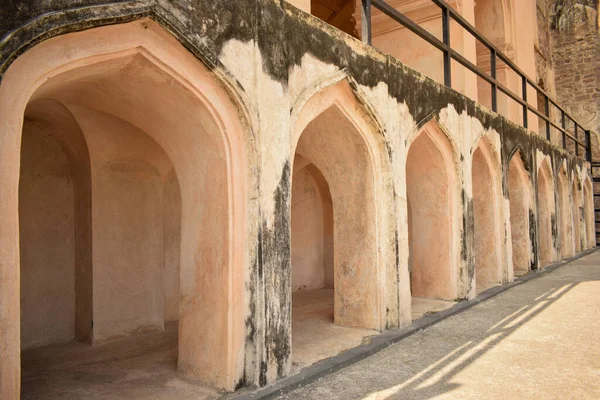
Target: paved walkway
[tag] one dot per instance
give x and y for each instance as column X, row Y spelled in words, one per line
column 539, row 340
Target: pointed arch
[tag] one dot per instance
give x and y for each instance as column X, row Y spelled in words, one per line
column 44, row 70
column 431, row 185
column 521, row 153
column 487, row 197
column 433, row 124
column 341, row 90
column 520, row 203
column 335, row 131
column 545, row 212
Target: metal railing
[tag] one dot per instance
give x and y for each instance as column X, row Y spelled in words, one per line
column 449, row 54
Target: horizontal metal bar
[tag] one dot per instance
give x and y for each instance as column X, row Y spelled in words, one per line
column 408, row 23
column 396, row 15
column 473, row 31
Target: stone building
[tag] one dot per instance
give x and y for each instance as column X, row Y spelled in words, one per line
column 267, row 184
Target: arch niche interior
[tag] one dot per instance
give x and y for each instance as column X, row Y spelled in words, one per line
column 485, row 206
column 577, row 214
column 125, row 210
column 519, row 194
column 588, row 205
column 335, row 263
column 545, row 189
column 566, row 217
column 430, row 179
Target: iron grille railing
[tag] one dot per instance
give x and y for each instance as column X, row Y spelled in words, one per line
column 449, row 54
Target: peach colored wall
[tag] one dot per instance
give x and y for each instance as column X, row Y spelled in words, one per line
column 519, row 195
column 545, row 189
column 308, row 263
column 171, row 214
column 576, row 215
column 588, row 202
column 428, row 188
column 231, row 150
column 566, row 217
column 304, row 5
column 47, row 236
column 355, row 250
column 118, row 59
column 484, row 207
column 128, row 169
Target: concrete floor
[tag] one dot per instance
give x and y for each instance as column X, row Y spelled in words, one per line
column 422, row 306
column 539, row 340
column 138, row 367
column 314, row 335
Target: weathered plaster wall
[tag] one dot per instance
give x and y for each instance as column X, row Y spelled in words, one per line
column 430, row 191
column 263, row 58
column 487, row 245
column 171, row 218
column 128, row 169
column 308, row 260
column 47, row 235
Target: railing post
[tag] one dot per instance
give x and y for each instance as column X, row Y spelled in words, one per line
column 366, row 21
column 446, row 39
column 494, row 86
column 525, row 109
column 547, row 101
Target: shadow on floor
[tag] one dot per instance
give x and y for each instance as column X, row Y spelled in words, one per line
column 141, row 366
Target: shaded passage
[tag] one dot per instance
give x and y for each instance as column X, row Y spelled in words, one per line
column 545, row 331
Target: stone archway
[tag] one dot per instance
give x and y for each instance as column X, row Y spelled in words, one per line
column 338, row 209
column 55, row 228
column 566, row 216
column 545, row 189
column 588, row 205
column 488, row 260
column 147, row 108
column 519, row 193
column 430, row 181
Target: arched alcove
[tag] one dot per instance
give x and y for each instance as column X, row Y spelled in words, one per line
column 577, row 214
column 588, row 205
column 55, row 228
column 519, row 194
column 566, row 216
column 545, row 189
column 162, row 234
column 430, row 180
column 485, row 174
column 337, row 252
column 312, row 230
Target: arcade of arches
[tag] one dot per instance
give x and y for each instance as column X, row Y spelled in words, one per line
column 144, row 197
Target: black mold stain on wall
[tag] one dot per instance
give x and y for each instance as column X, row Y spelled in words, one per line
column 468, row 242
column 277, row 277
column 284, row 35
column 533, row 240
